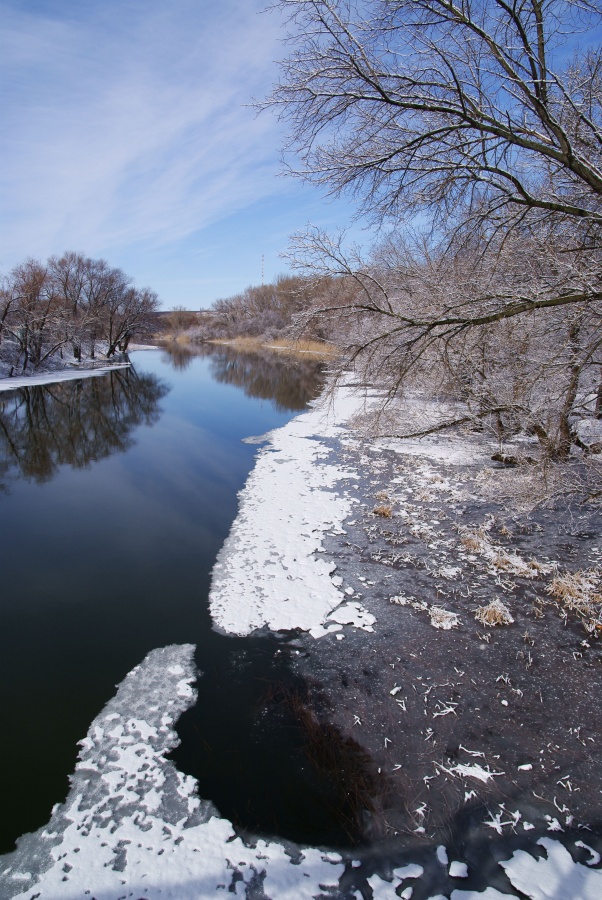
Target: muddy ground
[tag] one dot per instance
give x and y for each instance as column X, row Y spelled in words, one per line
column 479, row 738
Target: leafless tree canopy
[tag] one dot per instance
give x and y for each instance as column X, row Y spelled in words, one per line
column 469, row 111
column 72, row 303
column 473, row 130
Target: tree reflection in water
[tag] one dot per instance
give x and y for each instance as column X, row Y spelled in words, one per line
column 74, row 423
column 179, row 356
column 289, row 381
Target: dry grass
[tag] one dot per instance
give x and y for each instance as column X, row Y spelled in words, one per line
column 495, row 613
column 285, row 346
column 385, row 511
column 473, row 540
column 580, row 592
column 443, row 618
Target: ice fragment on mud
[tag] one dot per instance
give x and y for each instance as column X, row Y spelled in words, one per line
column 458, row 870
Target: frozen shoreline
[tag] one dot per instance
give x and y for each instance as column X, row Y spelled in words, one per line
column 70, row 372
column 268, row 574
column 133, row 825
column 21, row 381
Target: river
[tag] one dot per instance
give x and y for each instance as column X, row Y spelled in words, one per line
column 117, row 493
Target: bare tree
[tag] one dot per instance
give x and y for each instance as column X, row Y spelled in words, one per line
column 465, row 110
column 72, row 300
column 469, row 122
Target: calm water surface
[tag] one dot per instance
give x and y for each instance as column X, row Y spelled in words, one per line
column 116, row 494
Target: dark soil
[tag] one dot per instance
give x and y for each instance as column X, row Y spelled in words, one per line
column 421, row 701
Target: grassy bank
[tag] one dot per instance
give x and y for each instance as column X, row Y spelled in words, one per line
column 280, row 345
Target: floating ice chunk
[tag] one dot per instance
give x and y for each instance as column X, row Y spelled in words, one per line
column 553, row 876
column 381, row 889
column 353, row 613
column 412, row 870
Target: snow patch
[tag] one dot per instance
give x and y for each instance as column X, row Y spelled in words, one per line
column 268, row 573
column 554, row 876
column 11, row 384
column 134, row 826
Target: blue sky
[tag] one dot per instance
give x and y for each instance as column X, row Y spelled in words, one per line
column 126, row 135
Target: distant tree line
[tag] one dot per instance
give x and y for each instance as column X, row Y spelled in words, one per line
column 268, row 311
column 69, row 306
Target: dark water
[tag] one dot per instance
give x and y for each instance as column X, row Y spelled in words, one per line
column 116, row 494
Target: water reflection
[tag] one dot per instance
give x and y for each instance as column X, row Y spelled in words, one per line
column 289, row 381
column 73, row 423
column 179, row 356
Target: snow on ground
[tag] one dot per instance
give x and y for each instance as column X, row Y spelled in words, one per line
column 11, row 384
column 268, row 573
column 133, row 826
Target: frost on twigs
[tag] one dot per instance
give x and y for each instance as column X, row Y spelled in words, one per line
column 495, row 613
column 580, row 592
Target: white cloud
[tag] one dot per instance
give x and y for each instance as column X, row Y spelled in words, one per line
column 125, row 122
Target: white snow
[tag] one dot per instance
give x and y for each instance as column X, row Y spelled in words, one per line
column 385, row 890
column 595, row 857
column 554, row 876
column 133, row 826
column 11, row 384
column 269, row 572
column 488, row 894
column 458, row 870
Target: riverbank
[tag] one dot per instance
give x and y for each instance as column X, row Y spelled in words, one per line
column 64, row 370
column 447, row 650
column 285, row 346
column 20, row 381
column 473, row 748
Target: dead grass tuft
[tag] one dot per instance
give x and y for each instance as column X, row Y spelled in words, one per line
column 580, row 592
column 385, row 511
column 495, row 613
column 443, row 618
column 473, row 539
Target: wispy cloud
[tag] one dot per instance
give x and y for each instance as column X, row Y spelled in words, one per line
column 125, row 121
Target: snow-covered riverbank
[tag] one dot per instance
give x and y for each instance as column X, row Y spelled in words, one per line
column 133, row 826
column 70, row 371
column 20, row 381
